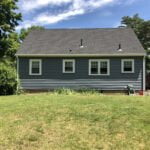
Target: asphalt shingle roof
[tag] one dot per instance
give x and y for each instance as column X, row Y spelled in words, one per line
column 67, row 41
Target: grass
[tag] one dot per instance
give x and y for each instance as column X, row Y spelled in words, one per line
column 74, row 122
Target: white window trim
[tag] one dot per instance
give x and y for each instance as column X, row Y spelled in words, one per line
column 122, row 65
column 99, row 61
column 30, row 67
column 68, row 60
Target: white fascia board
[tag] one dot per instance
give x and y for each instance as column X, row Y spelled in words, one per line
column 80, row 55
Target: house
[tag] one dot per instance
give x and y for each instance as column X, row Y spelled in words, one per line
column 103, row 59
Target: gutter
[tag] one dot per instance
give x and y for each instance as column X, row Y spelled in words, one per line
column 80, row 55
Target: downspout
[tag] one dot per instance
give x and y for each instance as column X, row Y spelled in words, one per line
column 144, row 71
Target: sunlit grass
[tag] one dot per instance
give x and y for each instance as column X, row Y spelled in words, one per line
column 74, row 122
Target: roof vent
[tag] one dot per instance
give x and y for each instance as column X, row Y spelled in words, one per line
column 81, row 43
column 120, row 48
column 70, row 50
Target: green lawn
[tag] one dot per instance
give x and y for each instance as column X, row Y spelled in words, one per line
column 74, row 122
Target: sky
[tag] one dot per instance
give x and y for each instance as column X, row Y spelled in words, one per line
column 80, row 13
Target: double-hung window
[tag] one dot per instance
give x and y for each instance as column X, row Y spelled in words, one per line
column 68, row 66
column 127, row 66
column 35, row 67
column 99, row 67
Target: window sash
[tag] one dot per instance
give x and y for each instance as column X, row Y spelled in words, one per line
column 35, row 67
column 94, row 67
column 127, row 66
column 35, row 70
column 102, row 67
column 68, row 66
column 35, row 64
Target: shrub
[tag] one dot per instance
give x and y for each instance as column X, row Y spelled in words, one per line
column 8, row 82
column 65, row 91
column 68, row 91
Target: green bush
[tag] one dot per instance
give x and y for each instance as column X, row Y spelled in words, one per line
column 8, row 82
column 68, row 91
column 65, row 91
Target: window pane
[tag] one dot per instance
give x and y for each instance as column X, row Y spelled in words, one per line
column 94, row 67
column 35, row 67
column 69, row 66
column 104, row 67
column 127, row 66
column 35, row 70
column 35, row 64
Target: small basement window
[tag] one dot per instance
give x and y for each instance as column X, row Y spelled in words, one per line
column 99, row 67
column 127, row 66
column 35, row 67
column 69, row 66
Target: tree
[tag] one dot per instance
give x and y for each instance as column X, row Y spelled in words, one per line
column 14, row 40
column 142, row 29
column 8, row 82
column 25, row 32
column 9, row 43
column 13, row 43
column 8, row 21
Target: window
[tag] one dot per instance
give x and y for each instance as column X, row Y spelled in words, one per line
column 94, row 67
column 99, row 67
column 35, row 67
column 127, row 66
column 69, row 66
column 103, row 67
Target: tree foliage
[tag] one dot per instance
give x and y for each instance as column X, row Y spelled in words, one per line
column 13, row 42
column 8, row 16
column 8, row 75
column 8, row 21
column 9, row 43
column 142, row 30
column 25, row 32
column 8, row 82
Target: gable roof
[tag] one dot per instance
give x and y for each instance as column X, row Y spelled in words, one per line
column 67, row 42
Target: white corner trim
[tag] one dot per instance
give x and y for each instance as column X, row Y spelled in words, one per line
column 17, row 69
column 122, row 65
column 30, row 67
column 73, row 65
column 144, row 71
column 99, row 66
column 17, row 75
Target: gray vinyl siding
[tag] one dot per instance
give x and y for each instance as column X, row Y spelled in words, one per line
column 52, row 76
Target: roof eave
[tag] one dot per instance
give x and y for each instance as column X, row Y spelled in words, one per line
column 79, row 55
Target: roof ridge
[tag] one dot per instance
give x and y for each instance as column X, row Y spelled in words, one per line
column 84, row 28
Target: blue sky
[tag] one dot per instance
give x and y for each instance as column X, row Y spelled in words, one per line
column 80, row 13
